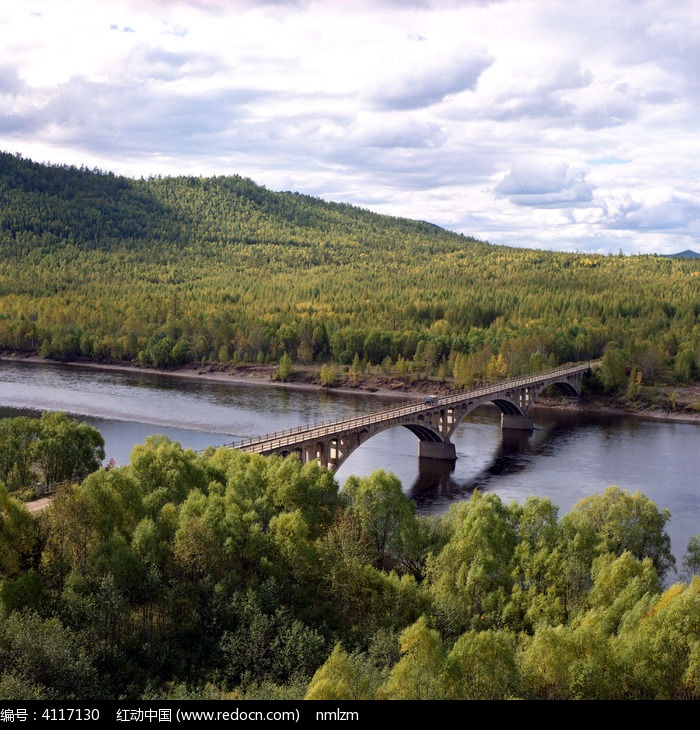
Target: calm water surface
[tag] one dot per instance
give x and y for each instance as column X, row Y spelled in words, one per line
column 567, row 457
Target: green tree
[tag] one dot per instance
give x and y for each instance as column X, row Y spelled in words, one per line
column 267, row 642
column 159, row 351
column 291, row 536
column 691, row 559
column 212, row 544
column 349, row 580
column 18, row 437
column 497, row 368
column 627, row 521
column 284, row 368
column 291, row 485
column 470, row 579
column 685, row 365
column 538, row 566
column 382, row 508
column 417, row 539
column 545, row 660
column 482, row 666
column 344, row 676
column 356, row 367
column 619, row 583
column 181, row 351
column 658, row 645
column 46, row 658
column 614, row 369
column 67, row 450
column 17, row 534
column 418, row 674
column 329, row 375
column 166, row 472
column 84, row 518
column 224, row 354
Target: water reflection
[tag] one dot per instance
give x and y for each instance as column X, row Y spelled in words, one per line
column 436, row 483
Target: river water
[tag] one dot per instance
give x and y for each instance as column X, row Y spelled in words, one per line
column 568, row 456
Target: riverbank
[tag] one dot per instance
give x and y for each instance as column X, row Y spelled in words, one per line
column 300, row 378
column 307, row 378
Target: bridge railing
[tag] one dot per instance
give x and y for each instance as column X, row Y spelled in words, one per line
column 328, row 428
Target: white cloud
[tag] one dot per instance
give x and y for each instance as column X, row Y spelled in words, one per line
column 526, row 122
column 674, row 213
column 425, row 79
column 546, row 186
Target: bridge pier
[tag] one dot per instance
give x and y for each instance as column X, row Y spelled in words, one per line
column 444, row 450
column 519, row 423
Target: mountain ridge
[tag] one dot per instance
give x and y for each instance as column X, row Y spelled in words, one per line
column 687, row 254
column 91, row 208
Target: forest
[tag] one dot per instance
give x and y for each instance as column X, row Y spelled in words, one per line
column 226, row 575
column 169, row 271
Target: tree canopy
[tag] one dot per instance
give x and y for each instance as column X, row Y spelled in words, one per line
column 226, row 574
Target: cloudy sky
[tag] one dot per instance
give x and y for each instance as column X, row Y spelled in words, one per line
column 550, row 124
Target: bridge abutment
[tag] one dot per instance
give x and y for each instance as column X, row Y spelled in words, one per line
column 519, row 423
column 444, row 450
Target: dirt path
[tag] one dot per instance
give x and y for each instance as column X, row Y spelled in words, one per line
column 38, row 504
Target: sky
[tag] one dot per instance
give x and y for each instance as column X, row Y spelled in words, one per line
column 545, row 124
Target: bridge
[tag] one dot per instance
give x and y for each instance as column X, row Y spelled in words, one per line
column 432, row 420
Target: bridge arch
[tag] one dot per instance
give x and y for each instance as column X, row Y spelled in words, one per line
column 425, row 435
column 566, row 389
column 422, row 432
column 506, row 406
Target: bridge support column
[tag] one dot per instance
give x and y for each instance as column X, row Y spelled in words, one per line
column 322, row 453
column 444, row 450
column 519, row 423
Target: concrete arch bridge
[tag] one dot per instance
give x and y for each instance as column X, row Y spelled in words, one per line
column 432, row 420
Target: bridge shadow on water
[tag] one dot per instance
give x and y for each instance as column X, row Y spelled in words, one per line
column 436, row 486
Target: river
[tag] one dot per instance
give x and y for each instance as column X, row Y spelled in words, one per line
column 568, row 456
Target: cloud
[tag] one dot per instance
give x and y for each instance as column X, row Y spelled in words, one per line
column 522, row 121
column 395, row 132
column 553, row 186
column 417, row 85
column 10, row 82
column 136, row 119
column 544, row 96
column 674, row 213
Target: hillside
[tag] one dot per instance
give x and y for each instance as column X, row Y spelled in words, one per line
column 59, row 205
column 167, row 271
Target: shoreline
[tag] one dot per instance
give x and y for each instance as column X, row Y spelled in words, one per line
column 243, row 375
column 263, row 376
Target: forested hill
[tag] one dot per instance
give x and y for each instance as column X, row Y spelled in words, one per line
column 51, row 206
column 164, row 271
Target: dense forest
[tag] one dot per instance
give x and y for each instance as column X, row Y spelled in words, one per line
column 233, row 575
column 169, row 271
